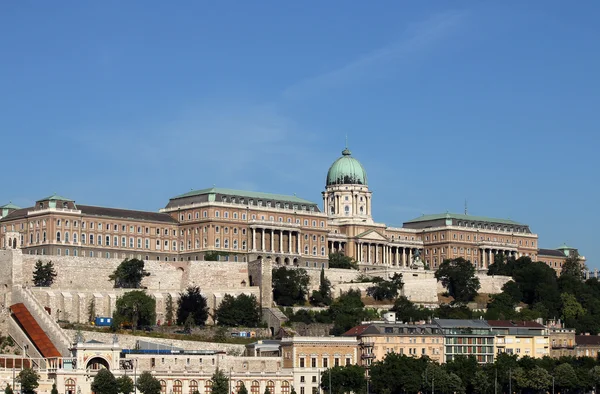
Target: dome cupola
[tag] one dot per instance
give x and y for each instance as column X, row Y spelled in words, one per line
column 346, row 171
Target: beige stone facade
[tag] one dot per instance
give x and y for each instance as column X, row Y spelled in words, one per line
column 307, row 357
column 245, row 226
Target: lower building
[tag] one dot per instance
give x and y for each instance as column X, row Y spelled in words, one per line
column 523, row 338
column 562, row 340
column 588, row 345
column 307, row 357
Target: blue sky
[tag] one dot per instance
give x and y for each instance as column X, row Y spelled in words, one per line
column 126, row 104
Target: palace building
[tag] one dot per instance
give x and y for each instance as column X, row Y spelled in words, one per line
column 246, row 226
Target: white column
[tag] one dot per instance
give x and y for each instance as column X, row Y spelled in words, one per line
column 489, row 258
column 280, row 241
column 272, row 241
column 298, row 241
column 262, row 241
column 253, row 238
column 410, row 256
column 483, row 258
column 369, row 253
column 404, row 257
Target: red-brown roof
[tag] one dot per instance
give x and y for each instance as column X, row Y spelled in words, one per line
column 587, row 340
column 356, row 331
column 33, row 330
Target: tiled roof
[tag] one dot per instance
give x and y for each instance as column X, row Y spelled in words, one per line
column 589, row 340
column 243, row 193
column 550, row 252
column 458, row 216
column 126, row 214
column 356, row 331
column 90, row 210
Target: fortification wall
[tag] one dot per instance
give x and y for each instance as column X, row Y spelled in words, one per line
column 128, row 341
column 73, row 305
column 82, row 273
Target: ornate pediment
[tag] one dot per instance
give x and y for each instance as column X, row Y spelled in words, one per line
column 372, row 235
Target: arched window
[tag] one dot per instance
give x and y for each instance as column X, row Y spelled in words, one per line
column 238, row 386
column 69, row 386
column 83, row 238
column 285, row 387
column 255, row 388
column 91, row 239
column 208, row 387
column 163, row 386
column 177, row 387
column 193, row 386
column 74, row 238
column 271, row 386
column 44, row 236
column 58, row 236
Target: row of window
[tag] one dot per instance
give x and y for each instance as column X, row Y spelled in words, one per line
column 303, row 362
column 481, row 238
column 196, row 215
column 486, row 226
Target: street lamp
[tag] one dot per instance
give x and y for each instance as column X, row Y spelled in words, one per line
column 552, row 384
column 135, row 377
column 230, row 370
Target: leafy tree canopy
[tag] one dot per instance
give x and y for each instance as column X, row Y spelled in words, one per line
column 290, row 286
column 242, row 310
column 220, row 382
column 192, row 302
column 340, row 260
column 458, row 277
column 346, row 379
column 214, row 255
column 43, row 274
column 386, row 289
column 148, row 384
column 129, row 274
column 135, row 308
column 29, row 380
column 322, row 297
column 125, row 384
column 105, row 383
column 407, row 311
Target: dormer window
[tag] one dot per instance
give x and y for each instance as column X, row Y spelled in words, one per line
column 65, row 205
column 278, row 205
column 268, row 204
column 41, row 205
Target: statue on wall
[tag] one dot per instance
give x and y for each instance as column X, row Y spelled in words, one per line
column 416, row 262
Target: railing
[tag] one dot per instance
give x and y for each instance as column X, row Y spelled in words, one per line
column 46, row 322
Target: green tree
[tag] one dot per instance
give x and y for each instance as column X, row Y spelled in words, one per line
column 595, row 376
column 397, row 373
column 386, row 289
column 322, row 297
column 571, row 309
column 243, row 389
column 481, row 382
column 125, row 384
column 129, row 274
column 290, row 286
column 340, row 260
column 43, row 274
column 458, row 277
column 8, row 389
column 135, row 308
column 347, row 311
column 148, row 384
column 511, row 288
column 54, row 389
column 293, row 390
column 105, row 383
column 565, row 377
column 92, row 310
column 29, row 380
column 407, row 311
column 242, row 310
column 189, row 323
column 220, row 383
column 463, row 367
column 346, row 379
column 214, row 255
column 501, row 307
column 574, row 267
column 169, row 310
column 192, row 301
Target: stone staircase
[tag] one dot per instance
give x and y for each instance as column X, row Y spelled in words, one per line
column 56, row 334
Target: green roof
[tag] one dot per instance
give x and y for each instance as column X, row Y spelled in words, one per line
column 243, row 193
column 346, row 171
column 10, row 205
column 459, row 216
column 56, row 197
column 565, row 246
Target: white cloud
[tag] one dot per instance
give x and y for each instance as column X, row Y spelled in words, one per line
column 417, row 37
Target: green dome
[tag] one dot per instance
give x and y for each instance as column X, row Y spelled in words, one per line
column 346, row 171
